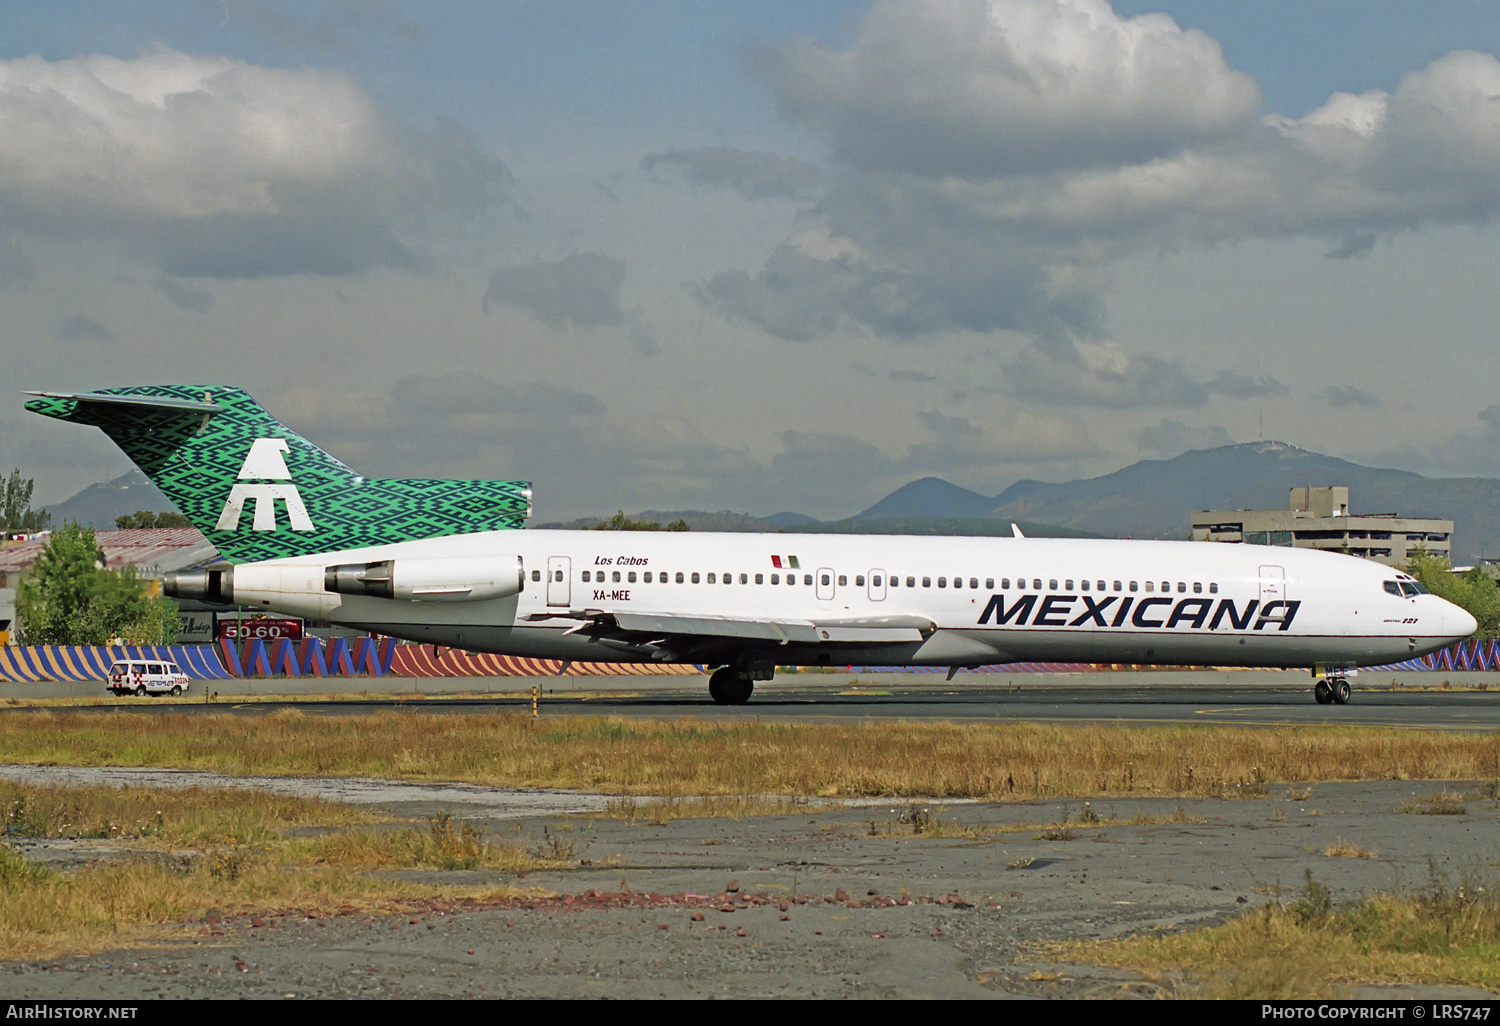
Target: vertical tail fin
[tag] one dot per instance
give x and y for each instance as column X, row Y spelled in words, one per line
column 214, row 451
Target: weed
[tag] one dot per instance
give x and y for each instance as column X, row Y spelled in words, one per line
column 1442, row 804
column 1342, row 849
column 1055, row 834
column 1021, row 863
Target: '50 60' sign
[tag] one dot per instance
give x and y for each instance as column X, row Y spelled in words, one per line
column 264, row 630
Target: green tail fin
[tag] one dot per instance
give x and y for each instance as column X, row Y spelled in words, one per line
column 258, row 490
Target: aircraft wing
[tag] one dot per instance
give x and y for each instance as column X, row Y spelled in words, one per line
column 653, row 629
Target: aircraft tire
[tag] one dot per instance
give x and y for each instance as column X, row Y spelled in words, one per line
column 719, row 686
column 1323, row 692
column 740, row 691
column 1341, row 692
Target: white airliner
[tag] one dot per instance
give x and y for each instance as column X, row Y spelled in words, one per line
column 416, row 559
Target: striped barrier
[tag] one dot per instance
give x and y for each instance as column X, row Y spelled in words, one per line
column 88, row 662
column 309, row 657
column 433, row 661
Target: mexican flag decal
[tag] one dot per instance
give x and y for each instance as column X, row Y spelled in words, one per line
column 785, row 563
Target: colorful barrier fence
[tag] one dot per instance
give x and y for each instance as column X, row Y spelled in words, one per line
column 86, row 662
column 380, row 657
column 308, row 657
column 430, row 661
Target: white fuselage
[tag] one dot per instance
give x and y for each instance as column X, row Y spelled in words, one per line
column 978, row 600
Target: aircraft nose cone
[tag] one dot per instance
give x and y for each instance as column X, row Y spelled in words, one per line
column 1458, row 622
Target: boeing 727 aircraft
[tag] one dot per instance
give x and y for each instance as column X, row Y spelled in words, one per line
column 444, row 562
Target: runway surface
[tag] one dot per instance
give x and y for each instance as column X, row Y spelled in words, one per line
column 1166, row 698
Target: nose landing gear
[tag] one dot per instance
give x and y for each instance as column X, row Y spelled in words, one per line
column 1332, row 690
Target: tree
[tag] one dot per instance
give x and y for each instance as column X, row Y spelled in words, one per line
column 620, row 522
column 70, row 598
column 144, row 518
column 15, row 506
column 1473, row 590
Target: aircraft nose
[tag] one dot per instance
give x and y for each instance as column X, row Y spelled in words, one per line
column 1458, row 623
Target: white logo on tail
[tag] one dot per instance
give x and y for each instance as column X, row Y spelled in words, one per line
column 265, row 462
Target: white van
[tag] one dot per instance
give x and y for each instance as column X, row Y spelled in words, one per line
column 146, row 677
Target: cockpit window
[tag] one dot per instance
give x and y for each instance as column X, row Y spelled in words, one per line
column 1409, row 589
column 1393, row 588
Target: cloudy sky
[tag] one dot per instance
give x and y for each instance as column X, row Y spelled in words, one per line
column 770, row 256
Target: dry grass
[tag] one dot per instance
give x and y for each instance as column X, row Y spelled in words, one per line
column 710, row 806
column 198, row 849
column 690, row 757
column 166, row 817
column 921, row 821
column 1310, row 949
column 1443, row 804
column 1342, row 849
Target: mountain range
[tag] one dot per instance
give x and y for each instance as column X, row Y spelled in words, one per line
column 1149, row 499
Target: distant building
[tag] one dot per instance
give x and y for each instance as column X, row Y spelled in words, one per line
column 1319, row 518
column 153, row 552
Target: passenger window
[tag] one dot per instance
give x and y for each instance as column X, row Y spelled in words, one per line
column 679, row 577
column 927, row 582
column 843, row 581
column 1213, row 589
column 630, row 577
column 942, row 582
column 807, row 580
column 760, row 578
column 1052, row 585
column 1067, row 585
column 585, row 577
column 1117, row 586
column 1004, row 584
column 536, row 575
column 1101, row 586
column 827, row 580
column 974, row 582
column 711, row 579
column 1197, row 587
column 695, row 577
column 1134, row 588
column 895, row 582
column 775, row 578
column 616, row 576
column 1036, row 584
column 1084, row 585
column 745, row 579
column 1166, row 585
column 859, row 581
column 989, row 584
column 876, row 580
column 1150, row 586
column 911, row 582
column 1181, row 587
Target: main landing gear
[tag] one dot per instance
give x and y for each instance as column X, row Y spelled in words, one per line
column 729, row 686
column 1332, row 690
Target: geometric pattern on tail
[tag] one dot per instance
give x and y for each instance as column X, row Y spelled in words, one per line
column 303, row 500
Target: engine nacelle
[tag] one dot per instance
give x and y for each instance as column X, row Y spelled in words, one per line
column 438, row 579
column 216, row 584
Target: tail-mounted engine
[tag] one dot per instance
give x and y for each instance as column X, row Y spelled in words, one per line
column 443, row 579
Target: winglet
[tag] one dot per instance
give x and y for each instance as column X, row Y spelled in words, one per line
column 1015, row 531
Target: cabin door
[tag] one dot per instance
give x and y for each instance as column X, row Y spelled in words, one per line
column 1272, row 585
column 559, row 581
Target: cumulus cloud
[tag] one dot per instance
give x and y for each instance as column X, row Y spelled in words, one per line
column 1026, row 86
column 1172, row 437
column 755, row 175
column 80, row 328
column 580, row 289
column 991, row 159
column 218, row 167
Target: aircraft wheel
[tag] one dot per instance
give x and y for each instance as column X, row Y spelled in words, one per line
column 719, row 685
column 140, row 691
column 740, row 691
column 1341, row 692
column 1323, row 692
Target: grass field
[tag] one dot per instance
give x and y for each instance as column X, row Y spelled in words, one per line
column 696, row 758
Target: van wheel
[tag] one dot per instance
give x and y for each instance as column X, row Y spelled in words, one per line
column 140, row 691
column 176, row 690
